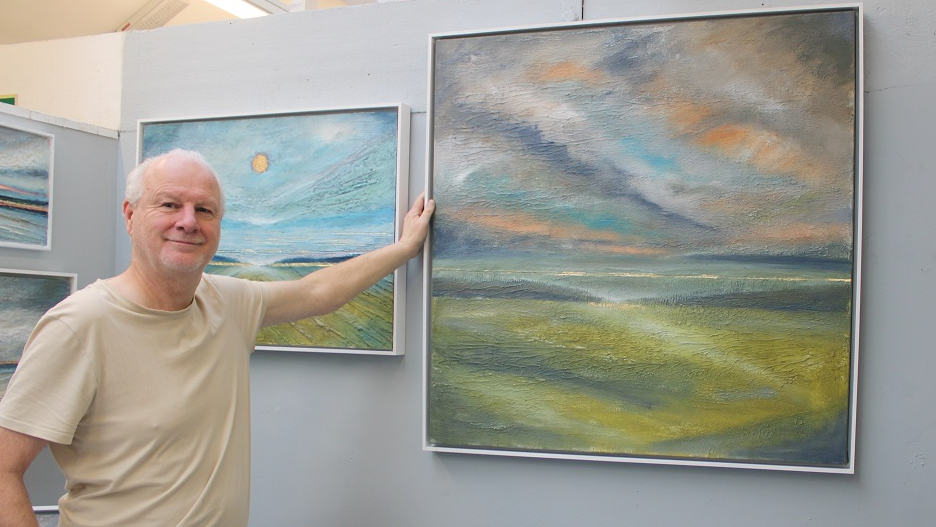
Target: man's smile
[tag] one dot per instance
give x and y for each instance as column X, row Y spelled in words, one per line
column 187, row 242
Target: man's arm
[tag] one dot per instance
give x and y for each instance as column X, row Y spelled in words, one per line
column 17, row 452
column 330, row 288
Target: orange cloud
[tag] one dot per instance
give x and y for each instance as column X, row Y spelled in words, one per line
column 523, row 224
column 20, row 191
column 569, row 71
column 684, row 115
column 765, row 150
column 529, row 225
column 798, row 234
column 758, row 146
column 626, row 250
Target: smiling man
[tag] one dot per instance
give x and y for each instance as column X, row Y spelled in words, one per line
column 139, row 383
column 173, row 217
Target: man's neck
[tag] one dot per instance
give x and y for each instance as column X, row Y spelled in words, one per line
column 169, row 294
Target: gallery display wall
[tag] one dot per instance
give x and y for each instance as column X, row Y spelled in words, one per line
column 337, row 439
column 83, row 226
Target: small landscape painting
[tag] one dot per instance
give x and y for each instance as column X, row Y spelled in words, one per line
column 25, row 188
column 304, row 191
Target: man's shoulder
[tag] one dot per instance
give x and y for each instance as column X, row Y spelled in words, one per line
column 81, row 310
column 233, row 298
column 223, row 285
column 91, row 297
column 227, row 282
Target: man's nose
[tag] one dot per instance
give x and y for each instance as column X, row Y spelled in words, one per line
column 187, row 220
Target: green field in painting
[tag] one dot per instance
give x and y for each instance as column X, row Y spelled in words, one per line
column 759, row 375
column 365, row 323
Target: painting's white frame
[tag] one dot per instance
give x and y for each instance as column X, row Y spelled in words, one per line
column 401, row 204
column 46, row 510
column 848, row 468
column 48, row 241
column 72, row 277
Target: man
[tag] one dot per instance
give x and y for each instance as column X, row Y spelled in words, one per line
column 139, row 383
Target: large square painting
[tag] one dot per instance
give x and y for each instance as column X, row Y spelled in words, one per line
column 26, row 295
column 304, row 191
column 646, row 246
column 25, row 188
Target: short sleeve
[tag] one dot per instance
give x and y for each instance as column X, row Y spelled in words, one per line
column 244, row 300
column 52, row 387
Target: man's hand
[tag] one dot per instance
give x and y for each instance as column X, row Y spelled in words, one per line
column 416, row 224
column 329, row 288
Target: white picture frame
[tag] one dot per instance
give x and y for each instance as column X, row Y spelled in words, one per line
column 469, row 376
column 356, row 185
column 27, row 159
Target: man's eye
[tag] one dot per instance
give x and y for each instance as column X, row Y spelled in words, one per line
column 205, row 211
column 168, row 205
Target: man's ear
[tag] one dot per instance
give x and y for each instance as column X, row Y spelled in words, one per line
column 128, row 216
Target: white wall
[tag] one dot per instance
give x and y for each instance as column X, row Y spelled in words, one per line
column 78, row 78
column 337, row 439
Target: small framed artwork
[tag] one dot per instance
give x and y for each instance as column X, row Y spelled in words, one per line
column 647, row 244
column 305, row 190
column 26, row 295
column 26, row 159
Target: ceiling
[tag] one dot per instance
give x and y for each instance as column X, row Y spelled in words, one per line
column 33, row 20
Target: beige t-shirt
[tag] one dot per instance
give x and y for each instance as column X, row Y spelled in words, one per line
column 147, row 411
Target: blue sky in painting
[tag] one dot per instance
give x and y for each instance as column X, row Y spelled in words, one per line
column 24, row 165
column 726, row 137
column 25, row 170
column 297, row 186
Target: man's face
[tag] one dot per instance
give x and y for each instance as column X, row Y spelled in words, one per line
column 176, row 225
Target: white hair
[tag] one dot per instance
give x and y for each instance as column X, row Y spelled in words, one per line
column 136, row 177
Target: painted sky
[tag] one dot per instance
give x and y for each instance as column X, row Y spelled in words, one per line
column 725, row 136
column 25, row 184
column 25, row 299
column 297, row 186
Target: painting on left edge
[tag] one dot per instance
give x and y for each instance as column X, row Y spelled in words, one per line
column 25, row 188
column 26, row 295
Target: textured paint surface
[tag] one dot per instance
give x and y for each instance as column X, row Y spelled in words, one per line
column 25, row 188
column 25, row 298
column 48, row 519
column 303, row 191
column 643, row 244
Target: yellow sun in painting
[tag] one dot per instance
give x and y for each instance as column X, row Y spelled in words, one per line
column 260, row 163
